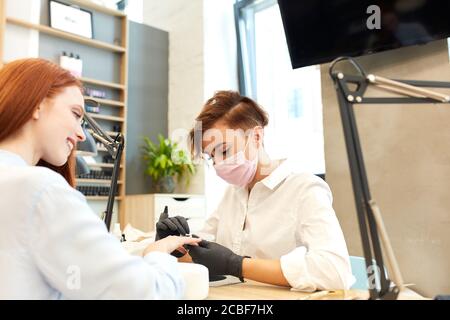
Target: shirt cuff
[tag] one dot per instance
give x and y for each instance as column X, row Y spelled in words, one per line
column 295, row 270
column 169, row 266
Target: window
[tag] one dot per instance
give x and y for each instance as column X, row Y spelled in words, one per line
column 448, row 43
column 291, row 97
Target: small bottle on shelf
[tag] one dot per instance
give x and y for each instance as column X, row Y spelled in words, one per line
column 78, row 66
column 72, row 63
column 64, row 61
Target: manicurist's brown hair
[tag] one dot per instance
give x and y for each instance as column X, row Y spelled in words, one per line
column 229, row 107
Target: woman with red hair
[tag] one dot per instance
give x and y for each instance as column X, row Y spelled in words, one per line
column 52, row 245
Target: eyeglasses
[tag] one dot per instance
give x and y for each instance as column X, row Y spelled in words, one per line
column 221, row 153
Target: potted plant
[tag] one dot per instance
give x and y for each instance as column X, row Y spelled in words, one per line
column 165, row 161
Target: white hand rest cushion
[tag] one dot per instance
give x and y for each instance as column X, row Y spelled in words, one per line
column 196, row 278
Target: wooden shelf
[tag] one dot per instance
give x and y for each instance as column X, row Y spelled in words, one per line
column 66, row 35
column 105, row 117
column 107, row 102
column 96, row 181
column 102, row 165
column 102, row 83
column 114, row 134
column 97, row 7
column 111, row 133
column 85, row 154
column 101, row 198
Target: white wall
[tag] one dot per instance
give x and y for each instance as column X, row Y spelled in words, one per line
column 134, row 10
column 21, row 42
column 184, row 22
column 202, row 60
column 220, row 56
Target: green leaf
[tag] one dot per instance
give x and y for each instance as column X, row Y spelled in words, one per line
column 163, row 161
column 166, row 159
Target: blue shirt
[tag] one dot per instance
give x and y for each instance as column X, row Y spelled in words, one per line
column 53, row 246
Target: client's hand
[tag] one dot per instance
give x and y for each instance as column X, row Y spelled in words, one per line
column 171, row 243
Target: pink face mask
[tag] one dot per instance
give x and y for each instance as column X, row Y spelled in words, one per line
column 237, row 170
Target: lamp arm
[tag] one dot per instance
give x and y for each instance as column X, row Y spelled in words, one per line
column 115, row 149
column 406, row 89
column 392, row 263
column 98, row 133
column 96, row 127
column 369, row 217
column 113, row 186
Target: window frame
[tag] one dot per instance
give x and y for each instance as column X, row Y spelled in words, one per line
column 244, row 16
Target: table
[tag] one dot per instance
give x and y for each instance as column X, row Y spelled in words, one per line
column 252, row 290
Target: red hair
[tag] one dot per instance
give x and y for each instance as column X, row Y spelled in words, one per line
column 24, row 84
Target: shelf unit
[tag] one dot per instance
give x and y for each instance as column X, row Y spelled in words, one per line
column 101, row 83
column 106, row 117
column 102, row 165
column 107, row 102
column 66, row 35
column 83, row 153
column 121, row 87
column 111, row 133
column 97, row 181
column 102, row 198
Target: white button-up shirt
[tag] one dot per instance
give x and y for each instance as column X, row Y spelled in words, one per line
column 287, row 216
column 52, row 245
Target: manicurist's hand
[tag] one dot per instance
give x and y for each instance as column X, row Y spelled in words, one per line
column 218, row 259
column 174, row 226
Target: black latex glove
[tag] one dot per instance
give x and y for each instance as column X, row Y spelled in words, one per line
column 218, row 259
column 174, row 226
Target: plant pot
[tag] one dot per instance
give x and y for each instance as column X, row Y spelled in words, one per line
column 164, row 185
column 121, row 5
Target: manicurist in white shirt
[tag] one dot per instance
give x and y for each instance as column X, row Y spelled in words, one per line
column 273, row 225
column 52, row 245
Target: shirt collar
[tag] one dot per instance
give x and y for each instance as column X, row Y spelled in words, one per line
column 278, row 175
column 10, row 158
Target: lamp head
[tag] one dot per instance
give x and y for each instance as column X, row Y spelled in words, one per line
column 88, row 146
column 82, row 167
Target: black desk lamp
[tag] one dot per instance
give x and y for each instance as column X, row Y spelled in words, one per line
column 369, row 217
column 115, row 149
column 81, row 167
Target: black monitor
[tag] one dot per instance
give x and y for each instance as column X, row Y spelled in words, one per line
column 318, row 31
